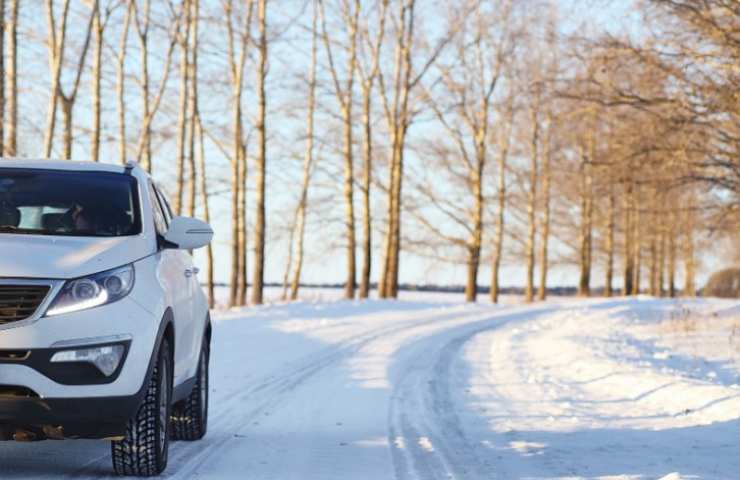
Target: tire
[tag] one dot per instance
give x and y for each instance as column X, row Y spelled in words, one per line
column 144, row 450
column 189, row 420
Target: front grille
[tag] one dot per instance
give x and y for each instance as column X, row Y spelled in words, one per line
column 18, row 302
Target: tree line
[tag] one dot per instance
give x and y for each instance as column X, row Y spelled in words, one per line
column 466, row 133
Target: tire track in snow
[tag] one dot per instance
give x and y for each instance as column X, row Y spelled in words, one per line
column 276, row 387
column 264, row 393
column 427, row 438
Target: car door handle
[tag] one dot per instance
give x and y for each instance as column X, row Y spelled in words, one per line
column 189, row 272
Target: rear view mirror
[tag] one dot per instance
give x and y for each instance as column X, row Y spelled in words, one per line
column 188, row 233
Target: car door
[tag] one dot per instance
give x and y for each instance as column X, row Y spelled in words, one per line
column 172, row 271
column 190, row 326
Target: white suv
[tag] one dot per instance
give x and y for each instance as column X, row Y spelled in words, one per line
column 104, row 329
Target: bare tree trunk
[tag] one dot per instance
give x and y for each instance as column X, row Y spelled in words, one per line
column 389, row 285
column 193, row 108
column 385, row 280
column 653, row 264
column 236, row 189
column 11, row 145
column 67, row 108
column 142, row 28
column 68, row 100
column 151, row 106
column 584, row 284
column 367, row 172
column 56, row 41
column 689, row 288
column 611, row 220
column 474, row 249
column 395, row 257
column 97, row 27
column 661, row 263
column 182, row 109
column 349, row 291
column 637, row 243
column 672, row 262
column 653, row 230
column 498, row 243
column 3, row 28
column 544, row 241
column 259, row 228
column 532, row 203
column 307, row 159
column 206, row 211
column 243, row 282
column 238, row 283
column 289, row 263
column 628, row 256
column 120, row 83
column 345, row 97
column 398, row 123
column 367, row 89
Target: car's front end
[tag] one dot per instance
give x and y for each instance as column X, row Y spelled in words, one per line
column 70, row 374
column 78, row 320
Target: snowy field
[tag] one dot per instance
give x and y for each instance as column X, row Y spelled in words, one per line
column 430, row 388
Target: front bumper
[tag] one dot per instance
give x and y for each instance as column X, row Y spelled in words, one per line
column 63, row 418
column 42, row 400
column 49, row 334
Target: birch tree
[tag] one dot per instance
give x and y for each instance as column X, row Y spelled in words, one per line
column 534, row 175
column 547, row 157
column 464, row 107
column 150, row 106
column 182, row 108
column 238, row 40
column 69, row 98
column 210, row 276
column 3, row 29
column 396, row 100
column 57, row 36
column 121, row 81
column 261, row 160
column 100, row 21
column 503, row 137
column 11, row 140
column 344, row 92
column 308, row 158
column 368, row 75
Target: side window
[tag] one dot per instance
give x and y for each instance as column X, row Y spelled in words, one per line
column 160, row 221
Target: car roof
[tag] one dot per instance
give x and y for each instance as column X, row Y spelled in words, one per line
column 68, row 165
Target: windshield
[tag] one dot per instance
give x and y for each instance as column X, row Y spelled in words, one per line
column 84, row 204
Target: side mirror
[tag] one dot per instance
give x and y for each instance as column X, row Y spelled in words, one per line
column 188, row 233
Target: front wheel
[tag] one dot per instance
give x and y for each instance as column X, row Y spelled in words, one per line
column 144, row 450
column 189, row 419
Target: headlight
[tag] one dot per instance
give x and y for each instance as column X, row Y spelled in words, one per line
column 93, row 291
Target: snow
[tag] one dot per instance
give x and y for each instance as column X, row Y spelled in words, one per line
column 431, row 388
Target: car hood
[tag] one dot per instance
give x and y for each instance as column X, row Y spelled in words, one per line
column 59, row 257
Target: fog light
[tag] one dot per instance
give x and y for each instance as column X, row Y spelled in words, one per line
column 106, row 358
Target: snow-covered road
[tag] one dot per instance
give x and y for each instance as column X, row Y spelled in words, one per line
column 628, row 389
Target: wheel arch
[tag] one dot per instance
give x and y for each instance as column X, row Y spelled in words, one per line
column 166, row 331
